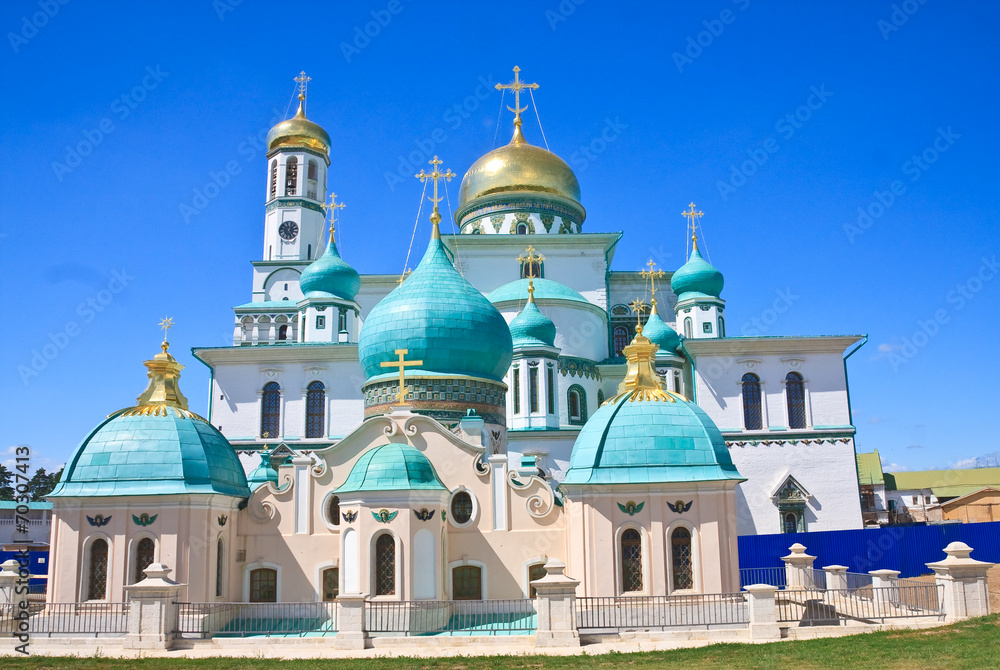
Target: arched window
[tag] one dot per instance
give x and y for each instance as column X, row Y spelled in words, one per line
column 680, row 552
column 312, row 177
column 270, row 410
column 522, row 229
column 796, row 396
column 620, row 310
column 722, row 327
column 283, row 332
column 791, row 523
column 631, row 561
column 274, row 178
column 620, row 339
column 467, row 582
column 220, row 568
column 517, row 389
column 331, row 584
column 97, row 570
column 600, row 398
column 533, row 269
column 751, row 402
column 550, row 386
column 385, row 565
column 315, row 409
column 536, row 571
column 461, row 507
column 533, row 388
column 688, row 327
column 291, row 175
column 144, row 550
column 577, row 405
column 263, row 585
column 309, row 252
column 333, row 511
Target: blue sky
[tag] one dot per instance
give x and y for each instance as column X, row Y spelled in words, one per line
column 843, row 153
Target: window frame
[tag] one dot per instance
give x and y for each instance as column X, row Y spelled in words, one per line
column 475, row 508
column 746, row 384
column 620, row 560
column 581, row 417
column 267, row 414
column 397, row 560
column 696, row 586
column 85, row 576
column 133, row 556
column 797, row 381
column 312, row 413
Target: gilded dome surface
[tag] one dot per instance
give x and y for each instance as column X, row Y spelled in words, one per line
column 299, row 131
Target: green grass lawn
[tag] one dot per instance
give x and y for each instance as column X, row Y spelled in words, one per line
column 970, row 644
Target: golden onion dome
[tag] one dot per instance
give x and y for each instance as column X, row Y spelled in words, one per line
column 299, row 131
column 518, row 169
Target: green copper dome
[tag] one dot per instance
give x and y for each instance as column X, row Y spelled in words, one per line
column 168, row 453
column 263, row 473
column 662, row 335
column 532, row 328
column 441, row 319
column 329, row 275
column 696, row 278
column 392, row 467
column 649, row 442
column 545, row 289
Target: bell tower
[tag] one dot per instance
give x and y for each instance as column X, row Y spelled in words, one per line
column 298, row 156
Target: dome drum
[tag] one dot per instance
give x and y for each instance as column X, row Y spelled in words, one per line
column 442, row 397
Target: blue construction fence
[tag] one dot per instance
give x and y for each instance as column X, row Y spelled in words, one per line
column 904, row 548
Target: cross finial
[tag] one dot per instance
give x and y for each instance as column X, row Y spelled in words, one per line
column 331, row 210
column 402, row 364
column 692, row 216
column 166, row 323
column 517, row 86
column 531, row 261
column 652, row 275
column 303, row 79
column 637, row 306
column 435, row 175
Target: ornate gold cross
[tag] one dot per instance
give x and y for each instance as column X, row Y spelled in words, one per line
column 302, row 79
column 637, row 306
column 435, row 175
column 402, row 365
column 331, row 209
column 531, row 261
column 166, row 323
column 652, row 275
column 517, row 86
column 692, row 217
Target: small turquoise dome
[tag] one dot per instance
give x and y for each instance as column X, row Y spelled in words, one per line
column 545, row 289
column 649, row 442
column 662, row 335
column 263, row 473
column 442, row 320
column 392, row 467
column 697, row 278
column 165, row 451
column 329, row 275
column 532, row 328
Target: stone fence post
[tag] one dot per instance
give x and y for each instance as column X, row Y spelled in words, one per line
column 763, row 612
column 152, row 611
column 836, row 577
column 966, row 592
column 798, row 568
column 351, row 629
column 884, row 591
column 9, row 574
column 556, row 602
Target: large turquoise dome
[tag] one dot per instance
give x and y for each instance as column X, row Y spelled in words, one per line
column 441, row 319
column 329, row 275
column 697, row 278
column 532, row 328
column 392, row 467
column 660, row 334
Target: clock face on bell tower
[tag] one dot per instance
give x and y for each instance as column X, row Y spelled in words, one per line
column 288, row 230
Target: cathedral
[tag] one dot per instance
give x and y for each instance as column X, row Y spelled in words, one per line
column 445, row 433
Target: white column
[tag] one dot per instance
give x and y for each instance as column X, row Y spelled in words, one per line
column 498, row 482
column 763, row 612
column 301, row 465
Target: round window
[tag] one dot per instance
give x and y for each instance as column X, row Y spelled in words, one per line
column 333, row 511
column 461, row 507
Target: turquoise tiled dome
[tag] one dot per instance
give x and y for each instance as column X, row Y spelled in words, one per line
column 532, row 328
column 441, row 319
column 167, row 452
column 545, row 289
column 392, row 467
column 697, row 278
column 649, row 442
column 662, row 335
column 263, row 473
column 329, row 275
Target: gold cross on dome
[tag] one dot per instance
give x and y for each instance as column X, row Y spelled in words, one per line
column 303, row 79
column 692, row 217
column 652, row 275
column 331, row 209
column 402, row 364
column 517, row 86
column 638, row 306
column 531, row 261
column 435, row 175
